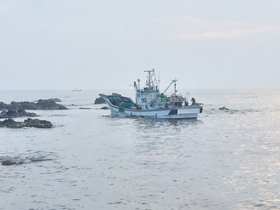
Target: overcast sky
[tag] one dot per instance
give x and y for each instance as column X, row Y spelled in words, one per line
column 106, row 44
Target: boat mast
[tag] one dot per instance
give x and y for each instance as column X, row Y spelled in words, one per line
column 138, row 80
column 149, row 77
column 175, row 90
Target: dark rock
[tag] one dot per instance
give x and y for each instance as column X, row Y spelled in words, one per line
column 16, row 113
column 56, row 99
column 104, row 107
column 37, row 123
column 22, row 113
column 41, row 104
column 49, row 104
column 2, row 105
column 3, row 113
column 99, row 101
column 11, row 112
column 223, row 108
column 10, row 123
column 8, row 163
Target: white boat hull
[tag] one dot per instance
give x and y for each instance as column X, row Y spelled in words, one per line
column 188, row 112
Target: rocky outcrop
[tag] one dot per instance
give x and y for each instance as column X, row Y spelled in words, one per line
column 14, row 159
column 104, row 107
column 16, row 113
column 37, row 123
column 223, row 108
column 8, row 163
column 99, row 101
column 2, row 105
column 10, row 123
column 41, row 104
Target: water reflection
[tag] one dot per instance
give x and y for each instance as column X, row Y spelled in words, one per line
column 158, row 123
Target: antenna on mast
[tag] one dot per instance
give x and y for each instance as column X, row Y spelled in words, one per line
column 175, row 90
column 138, row 80
column 149, row 82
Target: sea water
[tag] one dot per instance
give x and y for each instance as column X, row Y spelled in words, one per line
column 226, row 159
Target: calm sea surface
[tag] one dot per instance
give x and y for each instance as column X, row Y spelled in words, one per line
column 223, row 160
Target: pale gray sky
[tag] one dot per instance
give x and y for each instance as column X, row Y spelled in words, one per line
column 98, row 44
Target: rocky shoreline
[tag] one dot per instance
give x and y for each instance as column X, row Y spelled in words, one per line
column 99, row 101
column 29, row 122
column 17, row 109
column 41, row 104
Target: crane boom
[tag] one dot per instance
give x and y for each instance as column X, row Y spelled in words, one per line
column 173, row 81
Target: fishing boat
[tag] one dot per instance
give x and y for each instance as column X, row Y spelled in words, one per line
column 151, row 103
